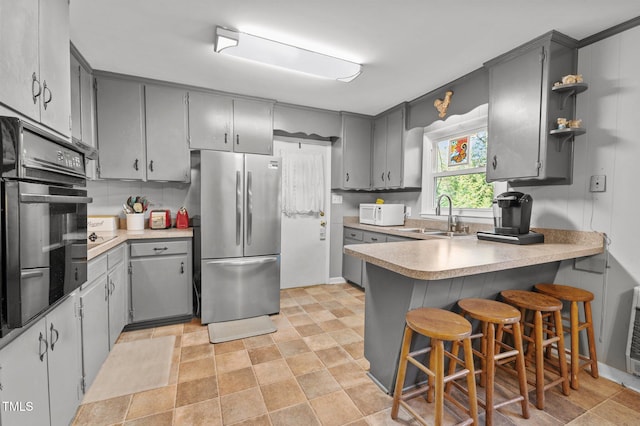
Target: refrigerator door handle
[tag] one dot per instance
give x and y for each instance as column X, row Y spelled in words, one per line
column 238, row 207
column 243, row 262
column 249, row 207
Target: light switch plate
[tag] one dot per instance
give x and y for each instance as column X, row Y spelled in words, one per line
column 598, row 183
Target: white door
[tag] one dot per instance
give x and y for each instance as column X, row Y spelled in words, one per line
column 305, row 237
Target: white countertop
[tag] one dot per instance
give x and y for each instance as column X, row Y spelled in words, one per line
column 112, row 239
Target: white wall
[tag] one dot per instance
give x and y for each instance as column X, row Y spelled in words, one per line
column 610, row 110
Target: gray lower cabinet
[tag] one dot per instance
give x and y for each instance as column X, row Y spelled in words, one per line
column 117, row 292
column 160, row 279
column 370, row 238
column 353, row 269
column 352, row 266
column 95, row 328
column 40, row 373
column 104, row 309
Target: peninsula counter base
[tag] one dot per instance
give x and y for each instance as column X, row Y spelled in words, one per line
column 389, row 296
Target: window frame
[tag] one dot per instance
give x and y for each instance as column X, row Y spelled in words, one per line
column 451, row 128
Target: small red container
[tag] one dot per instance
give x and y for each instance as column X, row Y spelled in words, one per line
column 182, row 218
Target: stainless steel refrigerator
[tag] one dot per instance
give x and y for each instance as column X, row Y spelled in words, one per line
column 240, row 210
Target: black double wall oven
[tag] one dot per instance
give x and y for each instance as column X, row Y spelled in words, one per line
column 44, row 221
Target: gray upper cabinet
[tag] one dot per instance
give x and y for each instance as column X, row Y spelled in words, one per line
column 252, row 126
column 142, row 131
column 82, row 110
column 121, row 128
column 166, row 125
column 76, row 126
column 223, row 123
column 55, row 103
column 351, row 153
column 388, row 135
column 523, row 110
column 35, row 65
column 210, row 121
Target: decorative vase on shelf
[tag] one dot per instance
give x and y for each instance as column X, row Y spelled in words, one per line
column 135, row 221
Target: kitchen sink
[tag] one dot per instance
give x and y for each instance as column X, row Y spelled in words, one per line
column 434, row 232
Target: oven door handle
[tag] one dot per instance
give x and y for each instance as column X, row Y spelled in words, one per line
column 54, row 199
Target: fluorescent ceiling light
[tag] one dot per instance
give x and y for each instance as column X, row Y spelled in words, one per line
column 282, row 55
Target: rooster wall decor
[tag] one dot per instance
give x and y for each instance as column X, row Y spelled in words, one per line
column 442, row 105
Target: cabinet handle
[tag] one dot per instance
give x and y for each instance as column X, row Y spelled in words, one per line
column 225, row 138
column 112, row 287
column 151, row 165
column 182, row 267
column 237, row 139
column 35, row 83
column 388, row 176
column 494, row 162
column 106, row 291
column 160, row 248
column 374, row 239
column 347, row 177
column 45, row 89
column 135, row 164
column 353, row 235
column 51, row 331
column 46, row 346
column 382, row 176
column 76, row 274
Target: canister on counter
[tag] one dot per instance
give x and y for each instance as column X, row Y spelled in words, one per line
column 160, row 219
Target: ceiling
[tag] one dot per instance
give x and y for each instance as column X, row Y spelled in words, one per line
column 407, row 47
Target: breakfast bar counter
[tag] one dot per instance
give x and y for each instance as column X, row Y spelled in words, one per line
column 438, row 272
column 448, row 257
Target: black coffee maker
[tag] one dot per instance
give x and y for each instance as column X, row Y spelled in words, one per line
column 511, row 218
column 512, row 213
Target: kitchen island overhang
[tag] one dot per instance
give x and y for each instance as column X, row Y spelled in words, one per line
column 438, row 272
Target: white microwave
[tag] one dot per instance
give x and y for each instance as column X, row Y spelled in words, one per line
column 382, row 214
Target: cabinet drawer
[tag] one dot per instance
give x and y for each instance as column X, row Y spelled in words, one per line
column 115, row 256
column 96, row 267
column 372, row 237
column 159, row 248
column 353, row 234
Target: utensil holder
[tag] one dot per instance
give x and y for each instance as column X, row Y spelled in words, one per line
column 135, row 221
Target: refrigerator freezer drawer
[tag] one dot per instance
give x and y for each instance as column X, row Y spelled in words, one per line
column 239, row 288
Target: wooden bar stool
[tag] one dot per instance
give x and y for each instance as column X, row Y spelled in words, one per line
column 495, row 318
column 574, row 295
column 439, row 325
column 547, row 330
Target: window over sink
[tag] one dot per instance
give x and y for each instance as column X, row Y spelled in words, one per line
column 454, row 163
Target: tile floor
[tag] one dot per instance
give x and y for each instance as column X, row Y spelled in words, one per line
column 311, row 372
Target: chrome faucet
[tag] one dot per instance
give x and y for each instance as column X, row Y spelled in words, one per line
column 449, row 219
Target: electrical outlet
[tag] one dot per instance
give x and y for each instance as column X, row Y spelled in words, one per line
column 598, row 183
column 407, row 211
